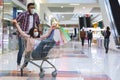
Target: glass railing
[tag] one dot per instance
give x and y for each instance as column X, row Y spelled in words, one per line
column 113, row 22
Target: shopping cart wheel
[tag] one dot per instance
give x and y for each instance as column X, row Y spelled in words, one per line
column 42, row 70
column 42, row 74
column 54, row 73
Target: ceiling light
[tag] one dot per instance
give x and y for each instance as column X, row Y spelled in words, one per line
column 119, row 2
column 62, row 6
column 6, row 3
column 75, row 4
column 63, row 16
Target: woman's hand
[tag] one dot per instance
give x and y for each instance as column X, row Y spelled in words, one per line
column 14, row 21
column 53, row 27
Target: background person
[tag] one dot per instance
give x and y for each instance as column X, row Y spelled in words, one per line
column 89, row 36
column 107, row 34
column 82, row 36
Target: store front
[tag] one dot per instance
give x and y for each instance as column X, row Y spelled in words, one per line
column 9, row 32
column 1, row 15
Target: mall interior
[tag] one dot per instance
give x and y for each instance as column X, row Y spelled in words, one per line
column 72, row 60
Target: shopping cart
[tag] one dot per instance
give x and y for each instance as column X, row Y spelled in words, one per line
column 46, row 46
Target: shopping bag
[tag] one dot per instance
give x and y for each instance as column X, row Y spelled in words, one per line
column 64, row 35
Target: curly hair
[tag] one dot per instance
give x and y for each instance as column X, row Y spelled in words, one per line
column 31, row 32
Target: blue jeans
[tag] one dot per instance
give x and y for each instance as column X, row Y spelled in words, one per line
column 21, row 44
column 106, row 44
column 89, row 41
column 82, row 39
column 43, row 48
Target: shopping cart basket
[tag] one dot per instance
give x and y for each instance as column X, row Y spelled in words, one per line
column 46, row 46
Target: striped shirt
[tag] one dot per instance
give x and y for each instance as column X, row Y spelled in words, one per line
column 23, row 19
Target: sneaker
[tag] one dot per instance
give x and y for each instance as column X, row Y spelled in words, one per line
column 26, row 69
column 106, row 51
column 18, row 67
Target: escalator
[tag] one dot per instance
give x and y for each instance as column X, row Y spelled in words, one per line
column 113, row 10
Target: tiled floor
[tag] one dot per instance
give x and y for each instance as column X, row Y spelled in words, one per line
column 72, row 61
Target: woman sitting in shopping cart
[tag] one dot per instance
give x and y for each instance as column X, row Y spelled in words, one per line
column 34, row 42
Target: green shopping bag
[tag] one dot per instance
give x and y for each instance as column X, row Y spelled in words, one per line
column 65, row 34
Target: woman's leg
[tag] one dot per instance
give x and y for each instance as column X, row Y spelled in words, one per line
column 37, row 52
column 42, row 49
column 47, row 48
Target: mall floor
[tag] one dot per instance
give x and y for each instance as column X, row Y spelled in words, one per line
column 73, row 62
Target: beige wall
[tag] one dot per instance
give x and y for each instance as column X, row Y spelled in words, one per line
column 45, row 10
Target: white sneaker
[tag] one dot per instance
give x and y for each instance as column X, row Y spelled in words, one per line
column 26, row 69
column 18, row 68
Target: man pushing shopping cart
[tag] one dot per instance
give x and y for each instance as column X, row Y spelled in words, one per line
column 38, row 46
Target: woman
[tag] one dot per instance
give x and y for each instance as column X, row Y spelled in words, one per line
column 34, row 42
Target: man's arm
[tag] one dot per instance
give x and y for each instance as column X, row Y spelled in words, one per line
column 20, row 30
column 37, row 20
column 20, row 17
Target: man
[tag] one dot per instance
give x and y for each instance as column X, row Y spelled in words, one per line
column 82, row 36
column 26, row 20
column 107, row 38
column 89, row 36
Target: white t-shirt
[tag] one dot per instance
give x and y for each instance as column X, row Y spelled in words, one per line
column 37, row 42
column 30, row 23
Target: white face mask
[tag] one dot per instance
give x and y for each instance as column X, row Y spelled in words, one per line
column 32, row 11
column 36, row 34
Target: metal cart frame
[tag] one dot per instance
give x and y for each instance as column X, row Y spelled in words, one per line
column 28, row 59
